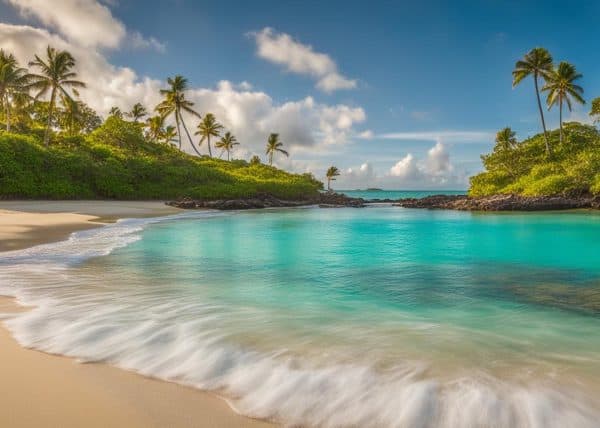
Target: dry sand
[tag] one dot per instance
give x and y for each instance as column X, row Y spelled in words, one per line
column 42, row 390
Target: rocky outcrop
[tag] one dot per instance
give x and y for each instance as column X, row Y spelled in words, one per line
column 501, row 203
column 324, row 200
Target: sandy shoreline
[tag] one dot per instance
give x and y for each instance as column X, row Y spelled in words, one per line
column 39, row 389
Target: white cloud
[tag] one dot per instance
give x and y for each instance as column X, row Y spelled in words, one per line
column 438, row 161
column 437, row 136
column 367, row 135
column 282, row 49
column 83, row 22
column 406, row 168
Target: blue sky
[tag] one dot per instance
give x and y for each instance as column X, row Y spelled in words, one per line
column 417, row 70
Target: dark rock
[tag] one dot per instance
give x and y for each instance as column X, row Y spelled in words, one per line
column 501, row 203
column 325, row 200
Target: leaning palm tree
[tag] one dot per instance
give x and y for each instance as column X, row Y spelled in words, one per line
column 273, row 146
column 174, row 103
column 56, row 75
column 137, row 112
column 561, row 88
column 331, row 173
column 227, row 143
column 208, row 127
column 536, row 63
column 13, row 83
column 506, row 138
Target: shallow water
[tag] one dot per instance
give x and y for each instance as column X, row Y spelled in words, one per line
column 398, row 194
column 382, row 316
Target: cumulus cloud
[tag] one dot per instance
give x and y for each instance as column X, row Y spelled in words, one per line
column 438, row 161
column 282, row 49
column 84, row 22
column 252, row 115
column 406, row 168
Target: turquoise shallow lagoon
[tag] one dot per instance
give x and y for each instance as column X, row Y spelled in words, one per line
column 398, row 194
column 382, row 316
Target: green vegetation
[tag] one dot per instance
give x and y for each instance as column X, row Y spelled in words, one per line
column 115, row 161
column 561, row 162
column 522, row 168
column 57, row 147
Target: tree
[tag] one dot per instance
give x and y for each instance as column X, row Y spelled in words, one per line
column 595, row 111
column 137, row 112
column 115, row 112
column 13, row 83
column 536, row 63
column 209, row 127
column 76, row 116
column 331, row 173
column 255, row 160
column 227, row 143
column 273, row 146
column 170, row 135
column 505, row 138
column 174, row 103
column 155, row 128
column 561, row 89
column 56, row 75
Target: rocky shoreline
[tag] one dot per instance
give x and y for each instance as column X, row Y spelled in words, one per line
column 448, row 202
column 501, row 203
column 323, row 200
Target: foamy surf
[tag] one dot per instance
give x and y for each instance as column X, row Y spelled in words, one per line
column 101, row 313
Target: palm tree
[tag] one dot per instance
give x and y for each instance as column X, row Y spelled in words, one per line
column 227, row 143
column 255, row 160
column 72, row 114
column 208, row 127
column 169, row 135
column 56, row 76
column 174, row 103
column 116, row 112
column 536, row 63
column 506, row 138
column 561, row 88
column 137, row 112
column 331, row 173
column 274, row 145
column 155, row 128
column 13, row 82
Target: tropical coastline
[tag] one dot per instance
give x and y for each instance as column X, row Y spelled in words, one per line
column 177, row 249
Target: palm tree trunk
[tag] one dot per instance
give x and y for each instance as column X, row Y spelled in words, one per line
column 178, row 129
column 560, row 119
column 189, row 137
column 7, row 109
column 271, row 159
column 328, row 183
column 208, row 142
column 227, row 155
column 50, row 110
column 537, row 94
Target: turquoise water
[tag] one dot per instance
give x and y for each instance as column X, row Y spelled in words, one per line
column 398, row 194
column 382, row 316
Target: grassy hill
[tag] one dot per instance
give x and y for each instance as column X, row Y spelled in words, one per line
column 524, row 168
column 116, row 162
